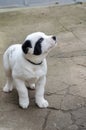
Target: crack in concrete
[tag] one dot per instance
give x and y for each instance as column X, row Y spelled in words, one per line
column 65, row 29
column 58, row 93
column 53, row 108
column 81, row 127
column 72, row 118
column 64, row 95
column 82, row 65
column 65, row 111
column 45, row 121
column 50, row 93
column 77, row 37
column 70, row 30
column 74, row 109
column 84, row 98
column 71, row 54
column 12, row 110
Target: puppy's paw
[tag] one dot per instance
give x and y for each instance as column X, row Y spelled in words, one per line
column 24, row 103
column 7, row 89
column 42, row 103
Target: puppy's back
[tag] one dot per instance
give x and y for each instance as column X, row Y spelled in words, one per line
column 10, row 55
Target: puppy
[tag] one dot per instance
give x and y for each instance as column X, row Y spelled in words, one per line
column 26, row 64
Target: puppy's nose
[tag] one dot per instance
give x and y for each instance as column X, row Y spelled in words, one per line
column 54, row 38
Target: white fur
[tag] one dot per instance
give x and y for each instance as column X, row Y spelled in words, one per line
column 19, row 71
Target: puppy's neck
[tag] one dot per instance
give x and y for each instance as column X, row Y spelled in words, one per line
column 34, row 59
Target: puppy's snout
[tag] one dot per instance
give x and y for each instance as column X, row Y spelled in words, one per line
column 54, row 38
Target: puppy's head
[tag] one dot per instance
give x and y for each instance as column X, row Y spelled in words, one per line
column 38, row 43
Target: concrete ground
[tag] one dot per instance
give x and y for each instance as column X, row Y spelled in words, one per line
column 66, row 78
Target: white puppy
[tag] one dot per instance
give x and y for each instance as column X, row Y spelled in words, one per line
column 26, row 63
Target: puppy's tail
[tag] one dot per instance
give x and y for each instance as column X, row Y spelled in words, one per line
column 6, row 63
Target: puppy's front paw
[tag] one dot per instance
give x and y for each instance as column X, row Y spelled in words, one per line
column 24, row 103
column 42, row 103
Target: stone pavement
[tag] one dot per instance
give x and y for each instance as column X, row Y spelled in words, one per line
column 66, row 79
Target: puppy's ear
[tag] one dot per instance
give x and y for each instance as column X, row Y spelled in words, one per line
column 26, row 45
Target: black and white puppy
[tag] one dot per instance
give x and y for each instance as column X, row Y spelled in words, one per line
column 26, row 64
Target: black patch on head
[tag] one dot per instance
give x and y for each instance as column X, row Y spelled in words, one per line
column 26, row 45
column 37, row 48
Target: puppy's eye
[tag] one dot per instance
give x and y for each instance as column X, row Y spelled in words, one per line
column 26, row 45
column 37, row 48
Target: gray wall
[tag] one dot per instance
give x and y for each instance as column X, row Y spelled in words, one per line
column 10, row 3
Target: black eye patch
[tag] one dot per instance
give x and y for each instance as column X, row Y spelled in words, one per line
column 26, row 45
column 37, row 48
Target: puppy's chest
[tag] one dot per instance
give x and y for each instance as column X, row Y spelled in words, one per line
column 34, row 73
column 28, row 72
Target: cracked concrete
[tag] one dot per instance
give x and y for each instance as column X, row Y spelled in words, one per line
column 66, row 79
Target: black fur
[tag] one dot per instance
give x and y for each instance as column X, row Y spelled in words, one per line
column 37, row 48
column 54, row 38
column 26, row 45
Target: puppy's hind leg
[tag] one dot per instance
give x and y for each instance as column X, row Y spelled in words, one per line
column 9, row 85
